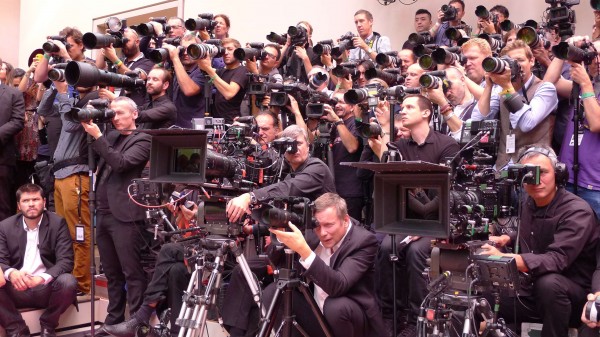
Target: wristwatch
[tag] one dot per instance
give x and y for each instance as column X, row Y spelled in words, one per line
column 253, row 200
column 338, row 122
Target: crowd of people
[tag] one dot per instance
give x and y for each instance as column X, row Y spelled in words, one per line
column 45, row 240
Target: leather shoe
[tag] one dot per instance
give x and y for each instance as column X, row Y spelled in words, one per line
column 47, row 332
column 100, row 332
column 23, row 332
column 124, row 329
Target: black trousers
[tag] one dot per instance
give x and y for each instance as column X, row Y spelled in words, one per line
column 344, row 316
column 555, row 301
column 355, row 206
column 119, row 244
column 414, row 260
column 239, row 310
column 170, row 280
column 55, row 297
column 7, row 189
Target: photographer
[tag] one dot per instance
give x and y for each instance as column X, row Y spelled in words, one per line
column 337, row 257
column 430, row 146
column 123, row 153
column 407, row 58
column 70, row 171
column 308, row 177
column 527, row 104
column 160, row 112
column 72, row 51
column 423, row 21
column 558, row 235
column 438, row 31
column 456, row 103
column 133, row 60
column 188, row 84
column 588, row 130
column 368, row 43
column 266, row 67
column 230, row 82
column 346, row 147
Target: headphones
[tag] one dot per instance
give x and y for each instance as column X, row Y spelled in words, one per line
column 561, row 174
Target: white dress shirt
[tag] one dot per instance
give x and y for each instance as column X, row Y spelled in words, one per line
column 32, row 262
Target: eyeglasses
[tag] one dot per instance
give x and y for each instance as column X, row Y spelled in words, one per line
column 177, row 27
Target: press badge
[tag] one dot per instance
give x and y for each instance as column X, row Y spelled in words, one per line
column 79, row 233
column 510, row 143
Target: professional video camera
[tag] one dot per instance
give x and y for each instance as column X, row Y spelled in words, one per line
column 97, row 41
column 279, row 212
column 204, row 21
column 51, row 47
column 210, row 48
column 344, row 43
column 315, row 106
column 497, row 65
column 450, row 13
column 323, row 47
column 57, row 73
column 391, row 76
column 147, row 29
column 100, row 113
column 255, row 51
column 568, row 52
column 81, row 74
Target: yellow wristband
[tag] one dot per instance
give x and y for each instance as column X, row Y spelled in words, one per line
column 118, row 63
column 507, row 92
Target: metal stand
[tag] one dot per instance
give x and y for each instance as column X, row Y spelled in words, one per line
column 577, row 117
column 92, row 207
column 192, row 317
column 286, row 284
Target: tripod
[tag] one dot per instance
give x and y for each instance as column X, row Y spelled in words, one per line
column 286, row 284
column 195, row 306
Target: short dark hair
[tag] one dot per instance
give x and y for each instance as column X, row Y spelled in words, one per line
column 423, row 102
column 329, row 199
column 29, row 188
column 423, row 11
column 500, row 9
column 365, row 12
column 461, row 2
column 272, row 115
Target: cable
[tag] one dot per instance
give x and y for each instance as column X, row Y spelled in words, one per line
column 151, row 206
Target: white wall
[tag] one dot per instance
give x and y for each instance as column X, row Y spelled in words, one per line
column 251, row 19
column 9, row 16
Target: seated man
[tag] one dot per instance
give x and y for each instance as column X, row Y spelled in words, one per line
column 558, row 238
column 338, row 258
column 36, row 255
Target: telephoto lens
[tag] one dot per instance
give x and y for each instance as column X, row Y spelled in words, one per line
column 202, row 50
column 568, row 52
column 429, row 82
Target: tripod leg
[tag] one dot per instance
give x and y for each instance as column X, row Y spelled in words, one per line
column 269, row 320
column 200, row 315
column 186, row 310
column 254, row 288
column 315, row 309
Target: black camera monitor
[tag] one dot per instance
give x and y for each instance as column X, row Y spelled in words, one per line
column 412, row 198
column 178, row 156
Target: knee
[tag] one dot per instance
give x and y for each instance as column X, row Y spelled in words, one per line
column 548, row 288
column 65, row 283
column 178, row 271
column 340, row 310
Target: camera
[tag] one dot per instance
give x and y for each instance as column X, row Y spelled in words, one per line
column 508, row 25
column 592, row 310
column 315, row 106
column 100, row 113
column 323, row 47
column 278, row 212
column 50, row 47
column 530, row 36
column 482, row 13
column 345, row 43
column 147, row 29
column 255, row 52
column 456, row 34
column 450, row 13
column 159, row 55
column 204, row 21
column 426, row 62
column 391, row 76
column 447, row 56
column 569, row 52
column 203, row 50
column 388, row 59
column 285, row 145
column 399, row 91
column 370, row 93
column 57, row 73
column 495, row 40
column 81, row 74
column 298, row 35
column 173, row 41
column 527, row 174
column 370, row 130
column 420, row 38
column 428, row 81
column 346, row 68
column 97, row 41
column 280, row 39
column 497, row 65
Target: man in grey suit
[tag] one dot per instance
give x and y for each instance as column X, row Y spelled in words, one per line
column 36, row 256
column 338, row 258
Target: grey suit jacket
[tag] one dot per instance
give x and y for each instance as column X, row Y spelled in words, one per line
column 12, row 119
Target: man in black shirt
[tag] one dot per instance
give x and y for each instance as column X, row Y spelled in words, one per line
column 429, row 146
column 557, row 247
column 160, row 112
column 347, row 147
column 230, row 82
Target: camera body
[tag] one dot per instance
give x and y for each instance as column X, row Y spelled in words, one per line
column 99, row 113
column 450, row 13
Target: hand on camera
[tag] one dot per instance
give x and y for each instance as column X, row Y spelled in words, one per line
column 486, row 26
column 237, row 207
column 500, row 241
column 251, row 66
column 591, row 324
column 436, row 96
column 173, row 51
column 62, row 50
column 61, row 87
column 205, row 64
column 502, row 79
column 92, row 129
column 330, row 114
column 490, row 250
column 377, row 145
column 294, row 240
column 579, row 75
column 301, row 53
column 106, row 94
column 358, row 42
column 293, row 106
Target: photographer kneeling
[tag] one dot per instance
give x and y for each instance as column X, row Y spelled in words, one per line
column 338, row 257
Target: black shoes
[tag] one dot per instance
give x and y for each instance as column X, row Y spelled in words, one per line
column 100, row 332
column 47, row 332
column 408, row 331
column 23, row 332
column 125, row 329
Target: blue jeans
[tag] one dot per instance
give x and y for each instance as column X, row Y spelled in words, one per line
column 592, row 197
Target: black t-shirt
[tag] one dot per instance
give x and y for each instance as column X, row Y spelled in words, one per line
column 436, row 148
column 229, row 109
column 138, row 94
column 347, row 182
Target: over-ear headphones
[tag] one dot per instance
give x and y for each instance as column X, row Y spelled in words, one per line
column 561, row 174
